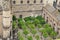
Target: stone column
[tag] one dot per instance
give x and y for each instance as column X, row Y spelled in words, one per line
column 6, row 19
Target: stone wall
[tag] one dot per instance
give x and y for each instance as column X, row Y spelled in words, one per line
column 17, row 2
column 27, row 10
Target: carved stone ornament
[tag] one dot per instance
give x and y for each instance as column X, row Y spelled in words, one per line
column 6, row 5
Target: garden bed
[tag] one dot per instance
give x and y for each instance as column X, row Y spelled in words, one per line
column 33, row 28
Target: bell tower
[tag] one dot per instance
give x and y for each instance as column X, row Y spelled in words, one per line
column 7, row 18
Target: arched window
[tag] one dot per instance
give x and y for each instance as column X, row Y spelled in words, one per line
column 34, row 1
column 47, row 19
column 28, row 1
column 44, row 15
column 54, row 24
column 14, row 2
column 21, row 1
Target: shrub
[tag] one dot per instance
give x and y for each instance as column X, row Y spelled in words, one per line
column 37, row 37
column 49, row 30
column 42, row 30
column 31, row 26
column 20, row 37
column 47, row 25
column 27, row 18
column 42, row 22
column 36, row 21
column 21, row 23
column 24, row 27
column 45, row 34
column 30, row 38
column 26, row 32
column 39, row 17
column 39, row 25
column 20, row 19
column 14, row 25
column 28, row 22
column 53, row 34
column 33, row 31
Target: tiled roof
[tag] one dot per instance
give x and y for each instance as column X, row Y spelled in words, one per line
column 50, row 8
column 53, row 11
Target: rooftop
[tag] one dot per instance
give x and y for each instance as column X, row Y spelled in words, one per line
column 53, row 11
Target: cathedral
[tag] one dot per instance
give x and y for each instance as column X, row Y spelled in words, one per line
column 23, row 8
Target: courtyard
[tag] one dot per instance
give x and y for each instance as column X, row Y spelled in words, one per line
column 32, row 28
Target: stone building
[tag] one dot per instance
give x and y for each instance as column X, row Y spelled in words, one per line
column 24, row 8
